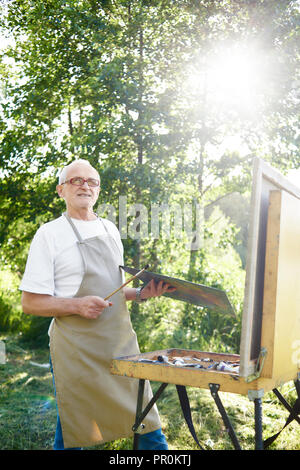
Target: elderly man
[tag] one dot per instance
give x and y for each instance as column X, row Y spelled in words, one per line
column 73, row 264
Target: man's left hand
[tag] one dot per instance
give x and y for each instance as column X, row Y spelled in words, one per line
column 152, row 289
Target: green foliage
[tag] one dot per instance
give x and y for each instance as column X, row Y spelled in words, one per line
column 6, row 312
column 165, row 323
column 11, row 317
column 35, row 332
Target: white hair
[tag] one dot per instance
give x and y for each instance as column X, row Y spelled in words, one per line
column 63, row 174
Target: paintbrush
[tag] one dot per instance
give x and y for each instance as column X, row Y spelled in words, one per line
column 127, row 282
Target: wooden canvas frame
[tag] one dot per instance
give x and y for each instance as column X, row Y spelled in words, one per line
column 281, row 304
column 264, row 180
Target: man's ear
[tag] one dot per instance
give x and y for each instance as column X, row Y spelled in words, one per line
column 59, row 190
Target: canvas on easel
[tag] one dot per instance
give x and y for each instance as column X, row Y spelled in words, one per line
column 264, row 180
column 281, row 302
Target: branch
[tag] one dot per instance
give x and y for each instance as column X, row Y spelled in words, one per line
column 219, row 198
column 70, row 118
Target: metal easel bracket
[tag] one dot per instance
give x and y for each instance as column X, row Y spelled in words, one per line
column 259, row 366
column 254, row 394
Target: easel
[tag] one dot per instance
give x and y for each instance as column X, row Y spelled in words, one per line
column 214, row 381
column 256, row 396
column 270, row 341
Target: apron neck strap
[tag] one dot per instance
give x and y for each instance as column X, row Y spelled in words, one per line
column 73, row 226
column 75, row 229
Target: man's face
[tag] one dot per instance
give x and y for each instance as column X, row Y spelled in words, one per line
column 79, row 197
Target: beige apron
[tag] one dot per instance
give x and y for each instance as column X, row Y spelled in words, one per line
column 95, row 406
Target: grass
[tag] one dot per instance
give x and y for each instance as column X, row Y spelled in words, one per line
column 28, row 411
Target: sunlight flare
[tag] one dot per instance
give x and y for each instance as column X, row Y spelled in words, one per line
column 230, row 77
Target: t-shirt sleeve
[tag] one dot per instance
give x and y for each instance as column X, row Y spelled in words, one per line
column 38, row 277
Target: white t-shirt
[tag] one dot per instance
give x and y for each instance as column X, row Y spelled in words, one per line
column 54, row 264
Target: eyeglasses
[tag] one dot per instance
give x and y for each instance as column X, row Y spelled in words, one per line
column 78, row 181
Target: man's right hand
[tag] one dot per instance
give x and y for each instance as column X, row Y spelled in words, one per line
column 44, row 305
column 91, row 306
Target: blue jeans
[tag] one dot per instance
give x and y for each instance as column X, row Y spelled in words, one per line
column 154, row 440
